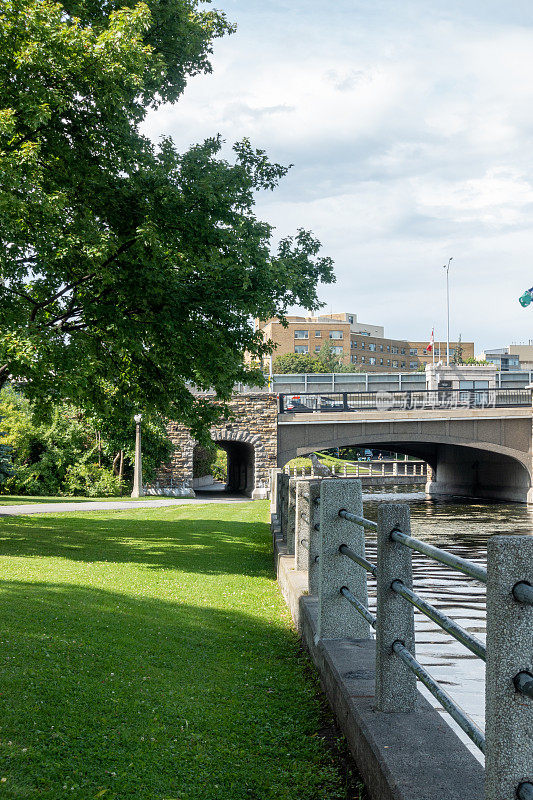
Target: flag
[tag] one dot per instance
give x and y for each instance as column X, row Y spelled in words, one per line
column 429, row 348
column 526, row 298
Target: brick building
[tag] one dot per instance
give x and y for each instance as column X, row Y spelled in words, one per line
column 363, row 345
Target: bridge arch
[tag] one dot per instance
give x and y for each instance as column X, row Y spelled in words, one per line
column 461, row 461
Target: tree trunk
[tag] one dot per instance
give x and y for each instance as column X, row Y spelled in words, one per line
column 4, row 375
column 116, row 463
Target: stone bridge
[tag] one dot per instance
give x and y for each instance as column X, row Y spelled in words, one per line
column 483, row 452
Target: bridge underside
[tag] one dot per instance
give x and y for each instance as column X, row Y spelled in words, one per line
column 461, row 461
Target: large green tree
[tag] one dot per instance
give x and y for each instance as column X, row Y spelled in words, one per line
column 128, row 271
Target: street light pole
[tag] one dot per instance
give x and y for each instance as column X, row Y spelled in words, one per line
column 138, row 470
column 447, row 268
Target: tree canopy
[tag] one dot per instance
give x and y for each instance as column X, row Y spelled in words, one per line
column 129, row 271
column 326, row 360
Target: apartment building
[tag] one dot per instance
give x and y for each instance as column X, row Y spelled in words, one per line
column 361, row 344
column 512, row 357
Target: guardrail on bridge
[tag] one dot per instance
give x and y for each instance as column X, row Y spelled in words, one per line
column 312, row 403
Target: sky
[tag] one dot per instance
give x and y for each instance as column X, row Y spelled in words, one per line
column 410, row 128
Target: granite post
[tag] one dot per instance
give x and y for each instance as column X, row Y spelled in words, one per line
column 314, row 535
column 336, row 617
column 395, row 683
column 291, row 515
column 508, row 707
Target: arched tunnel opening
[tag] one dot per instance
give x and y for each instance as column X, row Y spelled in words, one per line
column 236, row 475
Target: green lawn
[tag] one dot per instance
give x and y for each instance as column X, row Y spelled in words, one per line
column 147, row 654
column 20, row 499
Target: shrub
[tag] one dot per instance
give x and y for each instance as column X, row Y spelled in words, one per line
column 90, row 480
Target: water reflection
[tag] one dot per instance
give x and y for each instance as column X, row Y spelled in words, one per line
column 463, row 528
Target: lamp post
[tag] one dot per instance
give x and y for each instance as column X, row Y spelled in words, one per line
column 447, row 268
column 138, row 470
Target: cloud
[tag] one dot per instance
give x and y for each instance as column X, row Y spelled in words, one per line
column 410, row 127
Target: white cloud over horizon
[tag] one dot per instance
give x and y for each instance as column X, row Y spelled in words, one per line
column 410, row 130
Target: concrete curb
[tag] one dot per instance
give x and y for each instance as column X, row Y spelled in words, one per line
column 401, row 756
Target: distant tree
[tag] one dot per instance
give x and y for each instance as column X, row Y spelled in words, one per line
column 297, row 363
column 129, row 272
column 458, row 355
column 331, row 361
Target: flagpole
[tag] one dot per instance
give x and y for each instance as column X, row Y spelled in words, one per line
column 447, row 268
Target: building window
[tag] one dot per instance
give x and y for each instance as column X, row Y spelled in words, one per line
column 301, row 348
column 394, row 363
column 318, row 334
column 388, row 362
column 354, row 359
column 413, row 364
column 336, row 334
column 301, row 334
column 381, row 348
column 317, row 348
column 403, row 364
column 403, row 351
column 372, row 346
column 413, row 351
column 337, row 350
column 394, row 349
column 363, row 359
column 381, row 361
column 350, row 320
column 388, row 348
column 371, row 360
column 362, row 345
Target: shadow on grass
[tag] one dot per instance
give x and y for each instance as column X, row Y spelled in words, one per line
column 110, row 696
column 207, row 546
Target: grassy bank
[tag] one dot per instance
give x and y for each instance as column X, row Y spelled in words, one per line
column 147, row 654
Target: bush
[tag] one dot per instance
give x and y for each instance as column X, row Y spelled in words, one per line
column 90, row 480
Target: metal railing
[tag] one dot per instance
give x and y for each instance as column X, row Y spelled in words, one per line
column 393, row 468
column 335, row 537
column 327, row 402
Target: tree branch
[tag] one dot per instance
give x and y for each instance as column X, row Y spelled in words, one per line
column 74, row 285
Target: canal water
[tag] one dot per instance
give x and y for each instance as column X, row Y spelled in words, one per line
column 463, row 528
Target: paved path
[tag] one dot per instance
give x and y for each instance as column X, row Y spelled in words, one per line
column 116, row 505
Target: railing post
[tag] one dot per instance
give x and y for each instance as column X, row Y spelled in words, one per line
column 395, row 468
column 345, row 401
column 283, row 500
column 336, row 618
column 508, row 712
column 304, row 522
column 314, row 535
column 274, row 493
column 291, row 515
column 395, row 683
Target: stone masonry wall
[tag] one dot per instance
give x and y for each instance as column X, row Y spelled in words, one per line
column 253, row 419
